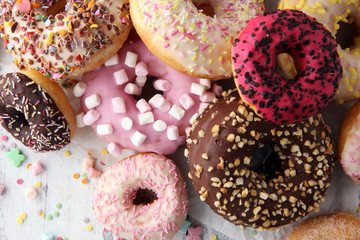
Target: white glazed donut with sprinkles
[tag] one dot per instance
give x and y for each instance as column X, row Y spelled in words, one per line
column 142, row 197
column 187, row 39
column 63, row 38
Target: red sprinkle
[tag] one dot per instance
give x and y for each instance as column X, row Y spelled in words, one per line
column 19, row 181
column 4, row 138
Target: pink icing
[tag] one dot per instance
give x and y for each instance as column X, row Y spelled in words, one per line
column 276, row 98
column 141, row 117
column 116, row 190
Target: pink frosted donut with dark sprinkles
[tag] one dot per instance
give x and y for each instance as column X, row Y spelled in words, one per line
column 314, row 50
column 142, row 197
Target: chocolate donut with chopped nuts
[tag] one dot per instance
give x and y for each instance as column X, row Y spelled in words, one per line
column 256, row 173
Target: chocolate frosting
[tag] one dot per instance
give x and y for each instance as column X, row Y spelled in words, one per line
column 29, row 114
column 298, row 162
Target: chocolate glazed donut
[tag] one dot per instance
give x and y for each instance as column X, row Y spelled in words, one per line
column 30, row 114
column 255, row 173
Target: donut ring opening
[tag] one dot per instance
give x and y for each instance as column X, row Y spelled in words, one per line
column 150, row 89
column 16, row 119
column 144, row 196
column 266, row 161
column 347, row 33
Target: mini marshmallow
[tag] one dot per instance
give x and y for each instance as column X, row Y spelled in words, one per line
column 217, row 89
column 90, row 117
column 121, row 77
column 186, row 101
column 79, row 89
column 93, row 173
column 36, row 168
column 140, row 81
column 177, row 112
column 92, row 101
column 173, row 133
column 2, row 188
column 30, row 193
column 159, row 125
column 145, row 118
column 143, row 106
column 131, row 59
column 112, row 61
column 207, row 97
column 162, row 85
column 158, row 101
column 131, row 89
column 114, row 149
column 197, row 89
column 202, row 106
column 127, row 123
column 141, row 69
column 138, row 138
column 104, row 129
column 79, row 120
column 118, row 104
column 205, row 82
column 193, row 118
column 88, row 162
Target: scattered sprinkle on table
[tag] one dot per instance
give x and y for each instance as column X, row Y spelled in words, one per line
column 15, row 156
column 28, row 166
column 76, row 175
column 58, row 205
column 67, row 153
column 84, row 181
column 89, row 228
column 253, row 232
column 104, row 151
column 213, row 237
column 56, row 214
column 38, row 184
column 4, row 138
column 86, row 220
column 49, row 217
column 19, row 181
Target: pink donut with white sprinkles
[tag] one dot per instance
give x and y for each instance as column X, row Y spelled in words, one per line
column 137, row 102
column 143, row 188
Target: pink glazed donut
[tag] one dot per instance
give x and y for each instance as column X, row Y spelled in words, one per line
column 142, row 197
column 119, row 103
column 314, row 50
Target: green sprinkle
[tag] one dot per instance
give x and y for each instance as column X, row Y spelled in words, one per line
column 48, row 75
column 49, row 217
column 56, row 214
column 15, row 156
column 84, row 175
column 253, row 232
column 58, row 205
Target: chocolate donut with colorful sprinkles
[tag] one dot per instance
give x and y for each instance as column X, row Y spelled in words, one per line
column 308, row 44
column 36, row 111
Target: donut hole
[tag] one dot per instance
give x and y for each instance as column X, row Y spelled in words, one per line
column 266, row 161
column 17, row 119
column 347, row 33
column 144, row 196
column 56, row 8
column 148, row 89
column 204, row 8
column 287, row 66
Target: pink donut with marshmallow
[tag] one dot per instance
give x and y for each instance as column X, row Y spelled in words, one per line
column 137, row 102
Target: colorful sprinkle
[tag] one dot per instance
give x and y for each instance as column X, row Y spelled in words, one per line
column 104, row 151
column 253, row 232
column 76, row 176
column 67, row 153
column 15, row 156
column 4, row 138
column 213, row 237
column 89, row 228
column 49, row 217
column 56, row 214
column 19, row 181
column 84, row 181
column 58, row 205
column 38, row 184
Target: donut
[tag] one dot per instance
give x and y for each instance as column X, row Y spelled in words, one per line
column 312, row 47
column 333, row 14
column 255, row 173
column 188, row 38
column 130, row 112
column 63, row 38
column 141, row 197
column 36, row 111
column 338, row 225
column 349, row 143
